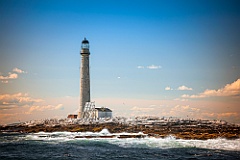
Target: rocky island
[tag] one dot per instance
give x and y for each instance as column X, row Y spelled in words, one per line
column 150, row 126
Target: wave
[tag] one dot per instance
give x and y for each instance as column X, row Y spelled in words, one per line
column 146, row 142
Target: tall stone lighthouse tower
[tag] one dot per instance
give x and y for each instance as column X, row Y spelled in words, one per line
column 84, row 77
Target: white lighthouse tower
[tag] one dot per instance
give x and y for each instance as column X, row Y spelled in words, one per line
column 84, row 77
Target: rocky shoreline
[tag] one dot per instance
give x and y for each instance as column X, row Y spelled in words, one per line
column 190, row 130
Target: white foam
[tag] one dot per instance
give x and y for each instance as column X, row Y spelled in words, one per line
column 162, row 143
column 166, row 143
column 105, row 131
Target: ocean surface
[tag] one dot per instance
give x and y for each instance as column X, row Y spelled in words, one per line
column 64, row 145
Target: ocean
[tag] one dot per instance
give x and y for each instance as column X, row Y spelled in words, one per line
column 65, row 145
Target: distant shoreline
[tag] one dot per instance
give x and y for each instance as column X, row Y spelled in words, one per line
column 152, row 128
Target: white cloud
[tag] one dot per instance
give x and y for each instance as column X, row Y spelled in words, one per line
column 181, row 88
column 168, row 89
column 142, row 109
column 7, row 101
column 222, row 116
column 10, row 76
column 181, row 99
column 150, row 67
column 153, row 67
column 18, row 70
column 230, row 90
column 5, row 81
column 185, row 108
column 184, row 111
column 184, row 88
column 140, row 67
column 45, row 108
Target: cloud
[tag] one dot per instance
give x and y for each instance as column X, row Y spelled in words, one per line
column 186, row 108
column 150, row 67
column 203, row 113
column 229, row 90
column 141, row 109
column 168, row 89
column 154, row 67
column 184, row 88
column 223, row 116
column 181, row 99
column 5, row 81
column 27, row 113
column 7, row 118
column 181, row 88
column 18, row 70
column 8, row 101
column 45, row 108
column 10, row 76
column 140, row 67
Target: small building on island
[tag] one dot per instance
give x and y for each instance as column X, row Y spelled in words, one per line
column 72, row 116
column 95, row 113
column 103, row 112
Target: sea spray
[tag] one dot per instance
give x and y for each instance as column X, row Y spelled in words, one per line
column 63, row 145
column 150, row 142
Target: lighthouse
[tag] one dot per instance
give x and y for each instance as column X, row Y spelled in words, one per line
column 84, row 77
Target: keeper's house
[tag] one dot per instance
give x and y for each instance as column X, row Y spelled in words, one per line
column 103, row 112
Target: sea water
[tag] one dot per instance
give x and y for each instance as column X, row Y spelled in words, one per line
column 65, row 145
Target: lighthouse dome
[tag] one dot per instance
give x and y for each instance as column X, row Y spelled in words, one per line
column 85, row 41
column 85, row 44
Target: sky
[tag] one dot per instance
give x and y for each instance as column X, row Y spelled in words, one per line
column 165, row 58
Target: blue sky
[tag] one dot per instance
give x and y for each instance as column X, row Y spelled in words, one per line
column 147, row 57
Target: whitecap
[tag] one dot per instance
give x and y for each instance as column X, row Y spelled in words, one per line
column 104, row 131
column 148, row 142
